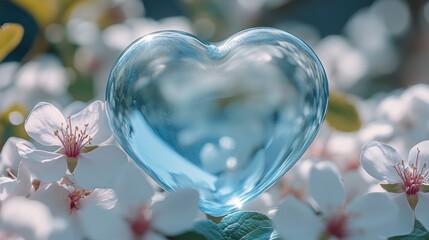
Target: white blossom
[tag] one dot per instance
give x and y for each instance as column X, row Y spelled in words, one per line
column 79, row 137
column 136, row 218
column 406, row 180
column 66, row 203
column 329, row 216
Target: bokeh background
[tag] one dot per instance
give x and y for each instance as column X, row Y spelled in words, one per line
column 68, row 48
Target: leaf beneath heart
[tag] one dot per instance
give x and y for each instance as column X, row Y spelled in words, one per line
column 247, row 226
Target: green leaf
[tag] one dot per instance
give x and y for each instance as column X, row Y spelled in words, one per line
column 418, row 233
column 342, row 113
column 247, row 226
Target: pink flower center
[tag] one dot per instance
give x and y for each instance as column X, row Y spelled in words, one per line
column 337, row 226
column 75, row 197
column 141, row 223
column 73, row 139
column 412, row 177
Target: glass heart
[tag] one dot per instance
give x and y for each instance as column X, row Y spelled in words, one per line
column 227, row 118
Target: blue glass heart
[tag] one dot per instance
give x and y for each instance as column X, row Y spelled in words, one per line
column 227, row 118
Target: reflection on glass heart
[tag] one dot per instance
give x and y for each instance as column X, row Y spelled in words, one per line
column 227, row 118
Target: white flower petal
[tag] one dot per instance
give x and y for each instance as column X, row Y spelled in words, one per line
column 66, row 229
column 296, row 220
column 101, row 224
column 45, row 166
column 366, row 237
column 104, row 198
column 23, row 188
column 42, row 122
column 357, row 183
column 73, row 108
column 131, row 177
column 176, row 213
column 4, row 179
column 56, row 197
column 378, row 160
column 98, row 168
column 25, row 179
column 95, row 116
column 151, row 235
column 371, row 214
column 262, row 204
column 15, row 187
column 422, row 209
column 326, row 187
column 9, row 157
column 422, row 150
column 404, row 221
column 26, row 218
column 7, row 188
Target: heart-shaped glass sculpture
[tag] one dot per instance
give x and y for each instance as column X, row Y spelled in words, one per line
column 227, row 118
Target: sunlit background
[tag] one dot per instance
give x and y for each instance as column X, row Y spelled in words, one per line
column 69, row 46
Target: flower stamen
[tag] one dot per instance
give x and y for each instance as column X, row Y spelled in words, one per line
column 72, row 138
column 10, row 173
column 411, row 176
column 75, row 198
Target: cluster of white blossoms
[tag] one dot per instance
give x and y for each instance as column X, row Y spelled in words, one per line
column 329, row 215
column 359, row 185
column 326, row 213
column 73, row 183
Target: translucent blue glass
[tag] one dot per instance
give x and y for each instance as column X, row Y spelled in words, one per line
column 227, row 118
